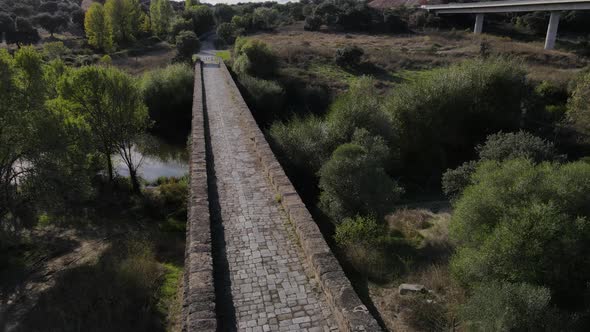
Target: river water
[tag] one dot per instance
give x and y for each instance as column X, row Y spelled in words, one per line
column 158, row 158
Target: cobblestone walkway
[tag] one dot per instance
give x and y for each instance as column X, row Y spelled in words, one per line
column 269, row 281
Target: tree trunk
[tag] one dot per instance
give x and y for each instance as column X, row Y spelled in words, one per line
column 135, row 182
column 110, row 167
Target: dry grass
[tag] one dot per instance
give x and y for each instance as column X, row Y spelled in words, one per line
column 434, row 310
column 159, row 57
column 396, row 56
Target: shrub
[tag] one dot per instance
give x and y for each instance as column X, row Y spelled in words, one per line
column 354, row 182
column 498, row 306
column 55, row 50
column 187, row 44
column 304, row 142
column 253, row 57
column 499, row 147
column 525, row 223
column 358, row 231
column 265, row 96
column 202, row 17
column 441, row 114
column 349, row 56
column 454, row 181
column 168, row 94
column 359, row 108
column 226, row 32
column 312, row 23
column 265, row 18
column 180, row 24
column 505, row 146
column 364, row 243
column 578, row 107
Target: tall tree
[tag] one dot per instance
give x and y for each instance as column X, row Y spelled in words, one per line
column 112, row 105
column 22, row 96
column 118, row 16
column 52, row 22
column 124, row 17
column 161, row 14
column 98, row 28
column 136, row 16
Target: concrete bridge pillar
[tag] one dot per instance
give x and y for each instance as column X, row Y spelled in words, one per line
column 552, row 31
column 478, row 24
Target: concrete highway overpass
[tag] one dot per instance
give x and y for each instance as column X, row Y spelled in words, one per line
column 481, row 8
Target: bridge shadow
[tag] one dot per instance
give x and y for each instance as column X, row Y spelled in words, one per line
column 224, row 305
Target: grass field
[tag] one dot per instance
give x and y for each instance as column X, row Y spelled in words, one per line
column 394, row 58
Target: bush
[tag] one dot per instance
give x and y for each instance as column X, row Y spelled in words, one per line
column 359, row 107
column 187, row 44
column 179, row 25
column 358, row 231
column 365, row 243
column 498, row 306
column 349, row 56
column 505, row 146
column 202, row 18
column 499, row 147
column 312, row 23
column 265, row 18
column 168, row 94
column 578, row 107
column 55, row 50
column 227, row 33
column 266, row 97
column 525, row 223
column 454, row 181
column 354, row 182
column 254, row 58
column 441, row 114
column 305, row 143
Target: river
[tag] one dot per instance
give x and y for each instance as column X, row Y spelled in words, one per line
column 158, row 158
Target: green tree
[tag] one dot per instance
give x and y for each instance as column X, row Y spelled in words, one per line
column 161, row 15
column 498, row 306
column 187, row 44
column 223, row 13
column 36, row 148
column 265, row 18
column 255, row 58
column 120, row 14
column 521, row 144
column 202, row 17
column 168, row 94
column 499, row 147
column 444, row 112
column 22, row 92
column 227, row 33
column 354, row 182
column 110, row 102
column 52, row 23
column 525, row 222
column 98, row 28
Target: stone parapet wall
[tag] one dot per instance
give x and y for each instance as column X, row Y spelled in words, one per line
column 350, row 313
column 199, row 293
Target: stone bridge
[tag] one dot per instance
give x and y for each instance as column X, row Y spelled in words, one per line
column 255, row 258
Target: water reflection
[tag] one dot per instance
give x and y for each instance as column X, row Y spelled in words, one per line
column 157, row 158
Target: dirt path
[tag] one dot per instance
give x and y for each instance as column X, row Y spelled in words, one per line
column 73, row 249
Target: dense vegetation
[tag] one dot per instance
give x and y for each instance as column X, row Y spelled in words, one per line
column 518, row 210
column 506, row 151
column 61, row 129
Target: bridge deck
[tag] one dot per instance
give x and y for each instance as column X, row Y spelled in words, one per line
column 270, row 286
